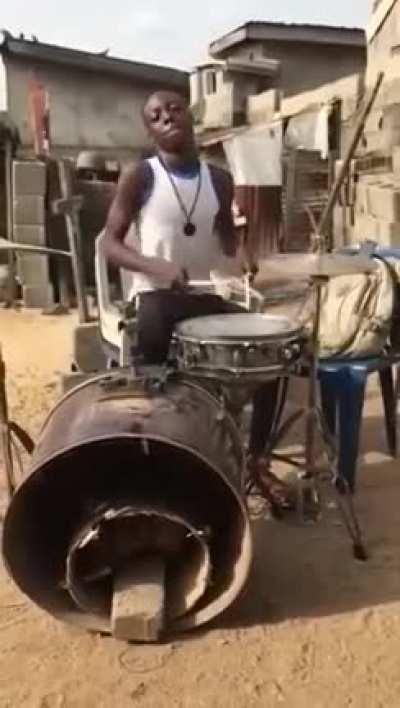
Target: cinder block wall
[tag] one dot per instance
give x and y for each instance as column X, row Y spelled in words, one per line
column 372, row 209
column 29, row 215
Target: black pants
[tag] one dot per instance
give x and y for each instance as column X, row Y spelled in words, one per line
column 159, row 312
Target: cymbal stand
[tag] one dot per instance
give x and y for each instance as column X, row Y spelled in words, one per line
column 309, row 498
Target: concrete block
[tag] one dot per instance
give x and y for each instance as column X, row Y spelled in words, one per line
column 362, row 204
column 29, row 178
column 389, row 233
column 138, row 601
column 34, row 235
column 384, row 202
column 33, row 270
column 396, row 161
column 38, row 296
column 29, row 210
column 365, row 228
column 88, row 353
column 384, row 232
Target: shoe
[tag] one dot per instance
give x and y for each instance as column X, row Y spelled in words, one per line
column 279, row 494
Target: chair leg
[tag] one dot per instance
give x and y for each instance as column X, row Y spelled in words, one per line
column 397, row 391
column 351, row 404
column 390, row 405
column 329, row 399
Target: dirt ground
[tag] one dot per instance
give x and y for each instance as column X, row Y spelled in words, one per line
column 314, row 627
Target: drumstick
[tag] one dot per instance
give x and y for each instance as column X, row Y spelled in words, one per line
column 181, row 284
column 247, row 291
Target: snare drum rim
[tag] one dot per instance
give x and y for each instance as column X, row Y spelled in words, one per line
column 295, row 332
column 242, row 343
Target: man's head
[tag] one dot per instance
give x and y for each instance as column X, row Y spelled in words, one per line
column 169, row 121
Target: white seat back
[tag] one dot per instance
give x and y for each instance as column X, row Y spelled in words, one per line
column 110, row 321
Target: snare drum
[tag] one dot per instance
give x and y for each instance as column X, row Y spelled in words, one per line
column 248, row 346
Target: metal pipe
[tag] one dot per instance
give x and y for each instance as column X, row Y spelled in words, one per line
column 6, row 245
column 5, row 431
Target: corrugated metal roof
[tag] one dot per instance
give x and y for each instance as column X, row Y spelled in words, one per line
column 88, row 61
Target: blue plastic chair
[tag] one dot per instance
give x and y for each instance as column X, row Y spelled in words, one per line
column 343, row 385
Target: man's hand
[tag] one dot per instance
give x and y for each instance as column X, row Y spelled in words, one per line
column 167, row 273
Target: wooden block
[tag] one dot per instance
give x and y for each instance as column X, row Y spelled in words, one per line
column 139, row 600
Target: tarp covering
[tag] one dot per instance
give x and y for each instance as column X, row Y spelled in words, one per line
column 309, row 131
column 254, row 157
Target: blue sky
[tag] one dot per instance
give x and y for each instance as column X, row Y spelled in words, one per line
column 172, row 32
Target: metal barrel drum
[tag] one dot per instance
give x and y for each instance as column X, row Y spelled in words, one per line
column 124, row 472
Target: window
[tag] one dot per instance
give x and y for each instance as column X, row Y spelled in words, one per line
column 211, row 82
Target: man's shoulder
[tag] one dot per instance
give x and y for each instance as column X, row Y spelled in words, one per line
column 136, row 184
column 219, row 173
column 222, row 182
column 139, row 175
column 141, row 169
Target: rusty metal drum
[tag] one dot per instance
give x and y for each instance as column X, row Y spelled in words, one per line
column 117, row 457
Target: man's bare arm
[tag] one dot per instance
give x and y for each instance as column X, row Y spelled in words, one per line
column 124, row 210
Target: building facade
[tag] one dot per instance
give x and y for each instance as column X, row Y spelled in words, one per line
column 257, row 66
column 95, row 100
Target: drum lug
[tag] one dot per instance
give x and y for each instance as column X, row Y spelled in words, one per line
column 237, row 358
column 221, row 415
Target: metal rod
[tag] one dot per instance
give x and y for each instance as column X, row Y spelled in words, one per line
column 6, row 245
column 326, row 215
column 11, row 284
column 312, row 411
column 5, row 431
column 75, row 240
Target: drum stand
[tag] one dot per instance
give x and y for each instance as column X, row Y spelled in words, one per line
column 309, row 499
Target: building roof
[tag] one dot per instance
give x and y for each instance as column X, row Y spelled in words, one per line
column 259, row 67
column 281, row 32
column 87, row 61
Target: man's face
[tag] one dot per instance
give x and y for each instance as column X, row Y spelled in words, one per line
column 169, row 121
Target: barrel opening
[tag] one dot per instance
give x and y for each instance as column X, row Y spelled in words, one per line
column 167, row 488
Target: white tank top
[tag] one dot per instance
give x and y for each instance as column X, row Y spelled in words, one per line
column 161, row 223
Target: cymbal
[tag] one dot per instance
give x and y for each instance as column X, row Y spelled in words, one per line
column 6, row 245
column 309, row 265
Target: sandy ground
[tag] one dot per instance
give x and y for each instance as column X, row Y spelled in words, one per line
column 314, row 628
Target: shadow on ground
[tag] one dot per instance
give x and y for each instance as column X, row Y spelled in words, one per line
column 309, row 571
